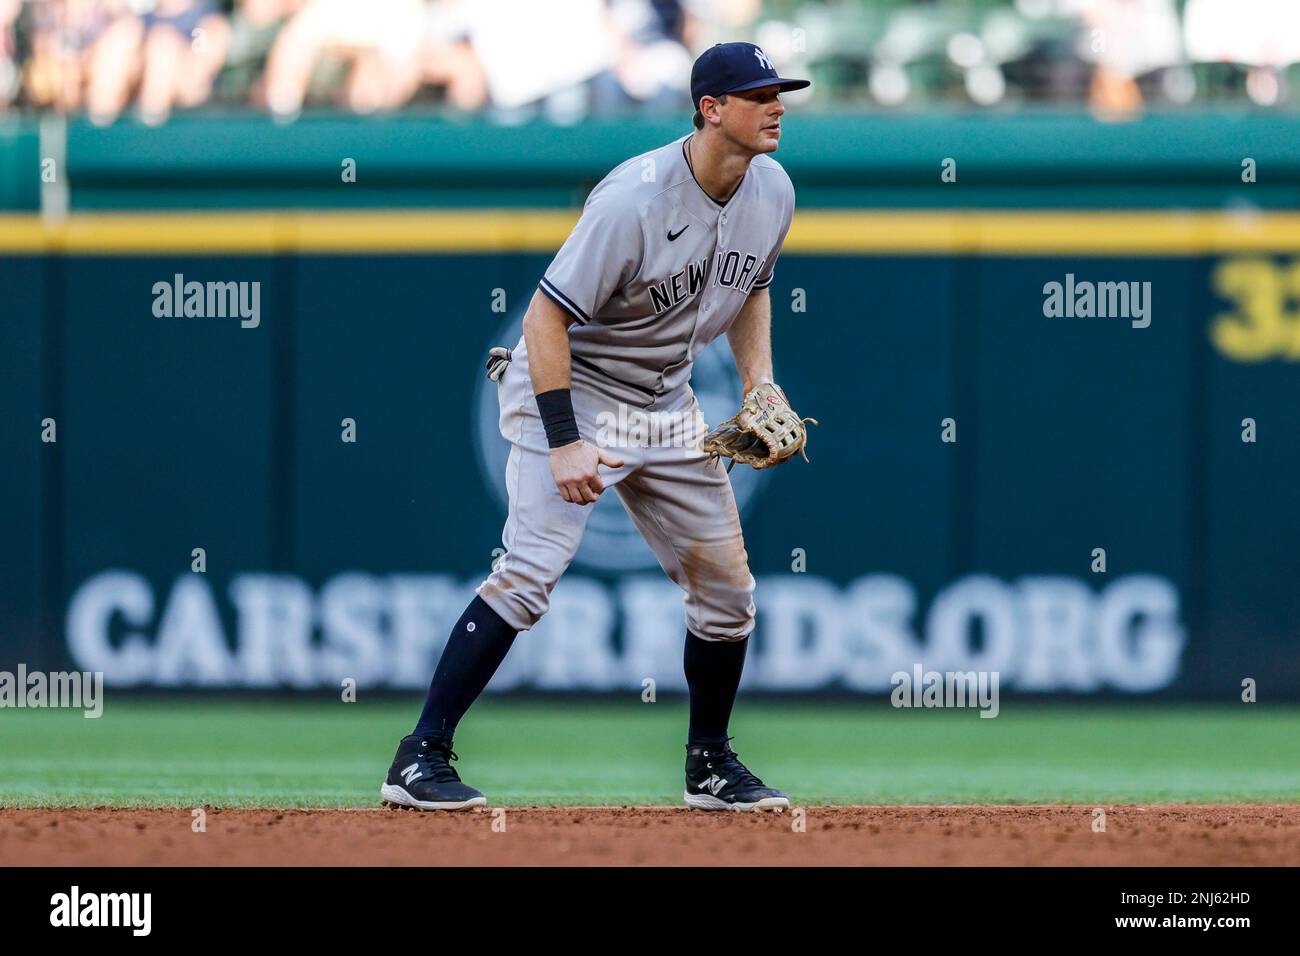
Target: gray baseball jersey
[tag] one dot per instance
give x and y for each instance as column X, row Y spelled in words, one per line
column 656, row 269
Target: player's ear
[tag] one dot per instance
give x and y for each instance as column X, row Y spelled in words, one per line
column 710, row 106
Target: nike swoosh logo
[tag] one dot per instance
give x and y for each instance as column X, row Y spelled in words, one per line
column 672, row 236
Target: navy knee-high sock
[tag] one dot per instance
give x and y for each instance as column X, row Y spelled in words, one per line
column 713, row 674
column 476, row 648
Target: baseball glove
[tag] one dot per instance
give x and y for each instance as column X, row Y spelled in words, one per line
column 765, row 432
column 499, row 358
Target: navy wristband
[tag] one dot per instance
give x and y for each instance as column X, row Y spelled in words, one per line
column 556, row 407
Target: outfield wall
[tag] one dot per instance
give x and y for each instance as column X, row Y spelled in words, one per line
column 325, row 559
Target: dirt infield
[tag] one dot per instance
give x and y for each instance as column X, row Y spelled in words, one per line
column 838, row 836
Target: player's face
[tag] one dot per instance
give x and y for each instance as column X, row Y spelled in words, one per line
column 753, row 119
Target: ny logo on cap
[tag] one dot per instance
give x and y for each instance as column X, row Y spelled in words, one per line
column 762, row 58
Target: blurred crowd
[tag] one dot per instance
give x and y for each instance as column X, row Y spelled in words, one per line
column 569, row 59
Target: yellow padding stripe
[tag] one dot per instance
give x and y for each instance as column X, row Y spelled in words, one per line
column 815, row 231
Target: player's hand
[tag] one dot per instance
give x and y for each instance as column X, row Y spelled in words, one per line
column 575, row 470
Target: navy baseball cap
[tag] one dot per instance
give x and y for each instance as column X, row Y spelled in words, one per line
column 734, row 68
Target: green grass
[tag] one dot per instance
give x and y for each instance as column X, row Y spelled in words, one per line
column 321, row 754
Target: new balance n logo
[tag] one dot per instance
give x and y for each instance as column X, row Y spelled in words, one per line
column 713, row 784
column 411, row 773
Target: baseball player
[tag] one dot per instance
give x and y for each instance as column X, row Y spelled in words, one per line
column 674, row 248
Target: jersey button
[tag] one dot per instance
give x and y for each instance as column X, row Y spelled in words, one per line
column 724, row 218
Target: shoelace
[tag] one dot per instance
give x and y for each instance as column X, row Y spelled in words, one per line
column 727, row 764
column 438, row 756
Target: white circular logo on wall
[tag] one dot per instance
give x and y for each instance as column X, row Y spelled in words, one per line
column 611, row 542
